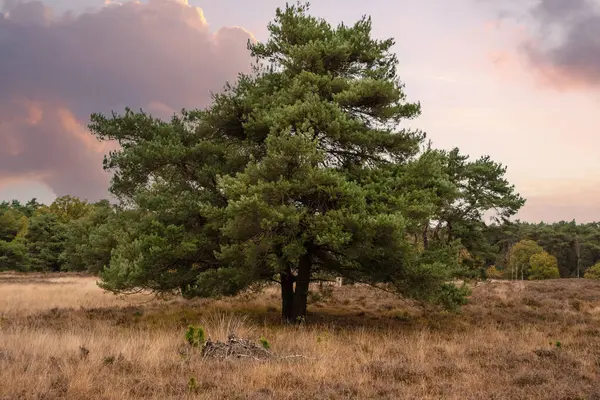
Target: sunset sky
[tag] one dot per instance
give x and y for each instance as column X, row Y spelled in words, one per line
column 520, row 82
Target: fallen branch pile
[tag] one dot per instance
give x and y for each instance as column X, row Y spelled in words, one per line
column 236, row 347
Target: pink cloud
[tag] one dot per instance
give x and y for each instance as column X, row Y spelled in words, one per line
column 56, row 70
column 558, row 42
column 559, row 75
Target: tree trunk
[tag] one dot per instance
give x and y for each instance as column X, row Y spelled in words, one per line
column 287, row 295
column 578, row 252
column 294, row 299
column 302, row 283
column 523, row 272
column 425, row 238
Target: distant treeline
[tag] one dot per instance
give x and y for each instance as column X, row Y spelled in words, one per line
column 69, row 235
column 74, row 235
column 575, row 246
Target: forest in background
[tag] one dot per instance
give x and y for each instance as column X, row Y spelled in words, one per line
column 74, row 235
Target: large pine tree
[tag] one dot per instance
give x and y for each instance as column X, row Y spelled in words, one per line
column 299, row 171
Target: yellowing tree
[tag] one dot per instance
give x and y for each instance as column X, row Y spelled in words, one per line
column 593, row 272
column 68, row 208
column 543, row 266
column 519, row 258
column 493, row 273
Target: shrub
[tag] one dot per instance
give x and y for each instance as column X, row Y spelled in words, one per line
column 195, row 336
column 493, row 273
column 193, row 385
column 452, row 296
column 543, row 266
column 593, row 272
column 264, row 343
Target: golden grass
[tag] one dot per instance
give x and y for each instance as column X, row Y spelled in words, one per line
column 22, row 294
column 65, row 338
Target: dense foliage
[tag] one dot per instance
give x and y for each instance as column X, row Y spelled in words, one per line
column 69, row 235
column 575, row 246
column 299, row 172
column 34, row 237
column 543, row 266
column 593, row 272
column 519, row 258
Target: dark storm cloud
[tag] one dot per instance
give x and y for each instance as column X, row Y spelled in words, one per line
column 564, row 43
column 567, row 49
column 56, row 70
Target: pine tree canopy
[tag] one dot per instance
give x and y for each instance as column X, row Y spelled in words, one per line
column 300, row 171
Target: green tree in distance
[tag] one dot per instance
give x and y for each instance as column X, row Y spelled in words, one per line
column 10, row 224
column 69, row 208
column 13, row 255
column 543, row 266
column 593, row 272
column 45, row 242
column 89, row 239
column 13, row 226
column 26, row 209
column 519, row 257
column 297, row 171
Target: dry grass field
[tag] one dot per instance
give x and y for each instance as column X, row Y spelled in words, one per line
column 62, row 337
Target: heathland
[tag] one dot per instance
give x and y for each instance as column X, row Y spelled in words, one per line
column 229, row 218
column 63, row 337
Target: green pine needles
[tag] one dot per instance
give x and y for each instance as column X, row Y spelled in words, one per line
column 195, row 336
column 300, row 170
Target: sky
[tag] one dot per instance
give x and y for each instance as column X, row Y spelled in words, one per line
column 518, row 80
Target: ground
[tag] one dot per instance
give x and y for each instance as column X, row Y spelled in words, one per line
column 62, row 337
